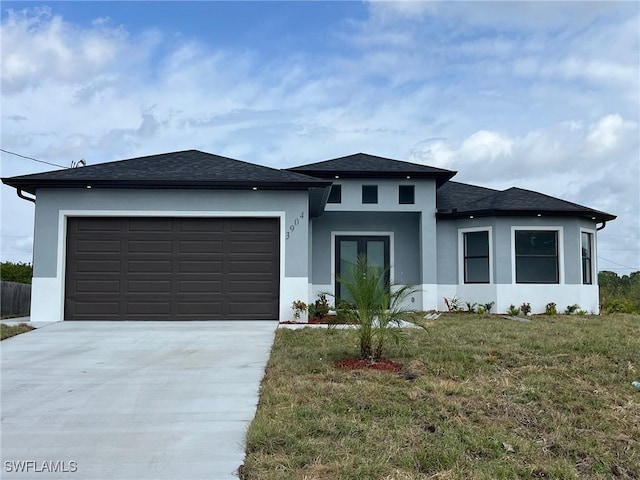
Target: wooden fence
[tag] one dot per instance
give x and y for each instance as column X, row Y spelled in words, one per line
column 15, row 299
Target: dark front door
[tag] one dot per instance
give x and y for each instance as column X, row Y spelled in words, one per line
column 349, row 247
column 157, row 268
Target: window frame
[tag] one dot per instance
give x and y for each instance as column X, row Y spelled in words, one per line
column 407, row 188
column 338, row 189
column 559, row 231
column 592, row 259
column 371, row 189
column 462, row 264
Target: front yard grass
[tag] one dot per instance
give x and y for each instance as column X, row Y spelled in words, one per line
column 477, row 398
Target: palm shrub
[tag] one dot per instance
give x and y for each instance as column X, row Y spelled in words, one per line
column 375, row 307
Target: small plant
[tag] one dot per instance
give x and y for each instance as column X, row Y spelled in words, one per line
column 513, row 310
column 582, row 313
column 453, row 303
column 571, row 309
column 471, row 307
column 298, row 307
column 525, row 308
column 488, row 306
column 321, row 307
column 550, row 309
column 480, row 310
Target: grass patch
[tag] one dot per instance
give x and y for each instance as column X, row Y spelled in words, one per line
column 7, row 331
column 476, row 399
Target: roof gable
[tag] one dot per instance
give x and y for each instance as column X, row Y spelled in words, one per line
column 184, row 169
column 364, row 165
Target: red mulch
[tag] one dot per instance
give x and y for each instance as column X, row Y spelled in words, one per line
column 359, row 363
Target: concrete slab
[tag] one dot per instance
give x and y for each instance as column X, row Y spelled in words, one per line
column 130, row 400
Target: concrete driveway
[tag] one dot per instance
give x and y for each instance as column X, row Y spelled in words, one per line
column 130, row 400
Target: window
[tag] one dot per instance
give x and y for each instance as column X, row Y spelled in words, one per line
column 407, row 194
column 335, row 196
column 369, row 194
column 537, row 256
column 476, row 257
column 586, row 239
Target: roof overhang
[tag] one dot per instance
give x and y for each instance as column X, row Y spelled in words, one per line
column 592, row 215
column 31, row 185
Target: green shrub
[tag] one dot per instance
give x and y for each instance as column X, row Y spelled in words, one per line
column 16, row 272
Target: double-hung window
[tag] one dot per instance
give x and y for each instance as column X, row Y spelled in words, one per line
column 476, row 256
column 536, row 256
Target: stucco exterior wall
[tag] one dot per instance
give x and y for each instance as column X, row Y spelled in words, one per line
column 504, row 291
column 53, row 206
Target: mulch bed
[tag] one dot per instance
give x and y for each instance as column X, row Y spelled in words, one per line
column 360, row 363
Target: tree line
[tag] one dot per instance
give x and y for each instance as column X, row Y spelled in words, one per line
column 619, row 294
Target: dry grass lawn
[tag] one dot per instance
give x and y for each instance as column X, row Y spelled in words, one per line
column 477, row 398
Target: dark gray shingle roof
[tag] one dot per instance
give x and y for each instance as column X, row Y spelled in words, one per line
column 458, row 200
column 186, row 169
column 363, row 165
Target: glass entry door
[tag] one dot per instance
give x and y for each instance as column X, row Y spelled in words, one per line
column 349, row 247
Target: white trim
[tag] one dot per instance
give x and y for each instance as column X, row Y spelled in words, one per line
column 560, row 247
column 335, row 233
column 62, row 236
column 461, row 232
column 594, row 274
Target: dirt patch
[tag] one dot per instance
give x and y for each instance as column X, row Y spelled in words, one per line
column 360, row 363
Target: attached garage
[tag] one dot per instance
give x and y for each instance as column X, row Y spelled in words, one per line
column 163, row 268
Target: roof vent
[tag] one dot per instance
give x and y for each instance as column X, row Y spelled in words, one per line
column 80, row 163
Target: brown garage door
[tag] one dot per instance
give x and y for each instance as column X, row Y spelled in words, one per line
column 172, row 269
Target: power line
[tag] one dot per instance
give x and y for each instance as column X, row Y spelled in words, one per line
column 616, row 263
column 31, row 158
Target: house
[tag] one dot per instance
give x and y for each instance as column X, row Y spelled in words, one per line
column 195, row 236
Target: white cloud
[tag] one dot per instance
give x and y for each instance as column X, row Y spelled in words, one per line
column 606, row 134
column 41, row 46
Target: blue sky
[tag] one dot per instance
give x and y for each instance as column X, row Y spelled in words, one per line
column 539, row 95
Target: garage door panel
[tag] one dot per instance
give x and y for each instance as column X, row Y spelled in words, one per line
column 97, row 266
column 252, row 267
column 149, row 266
column 96, row 225
column 196, row 225
column 149, row 307
column 201, row 246
column 253, row 226
column 98, row 286
column 99, row 246
column 149, row 246
column 101, row 308
column 172, row 269
column 205, row 286
column 208, row 309
column 150, row 224
column 200, row 266
column 149, row 286
column 251, row 247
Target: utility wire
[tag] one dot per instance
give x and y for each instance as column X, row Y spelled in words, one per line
column 625, row 267
column 31, row 158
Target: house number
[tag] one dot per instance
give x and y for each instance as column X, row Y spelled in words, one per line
column 294, row 225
